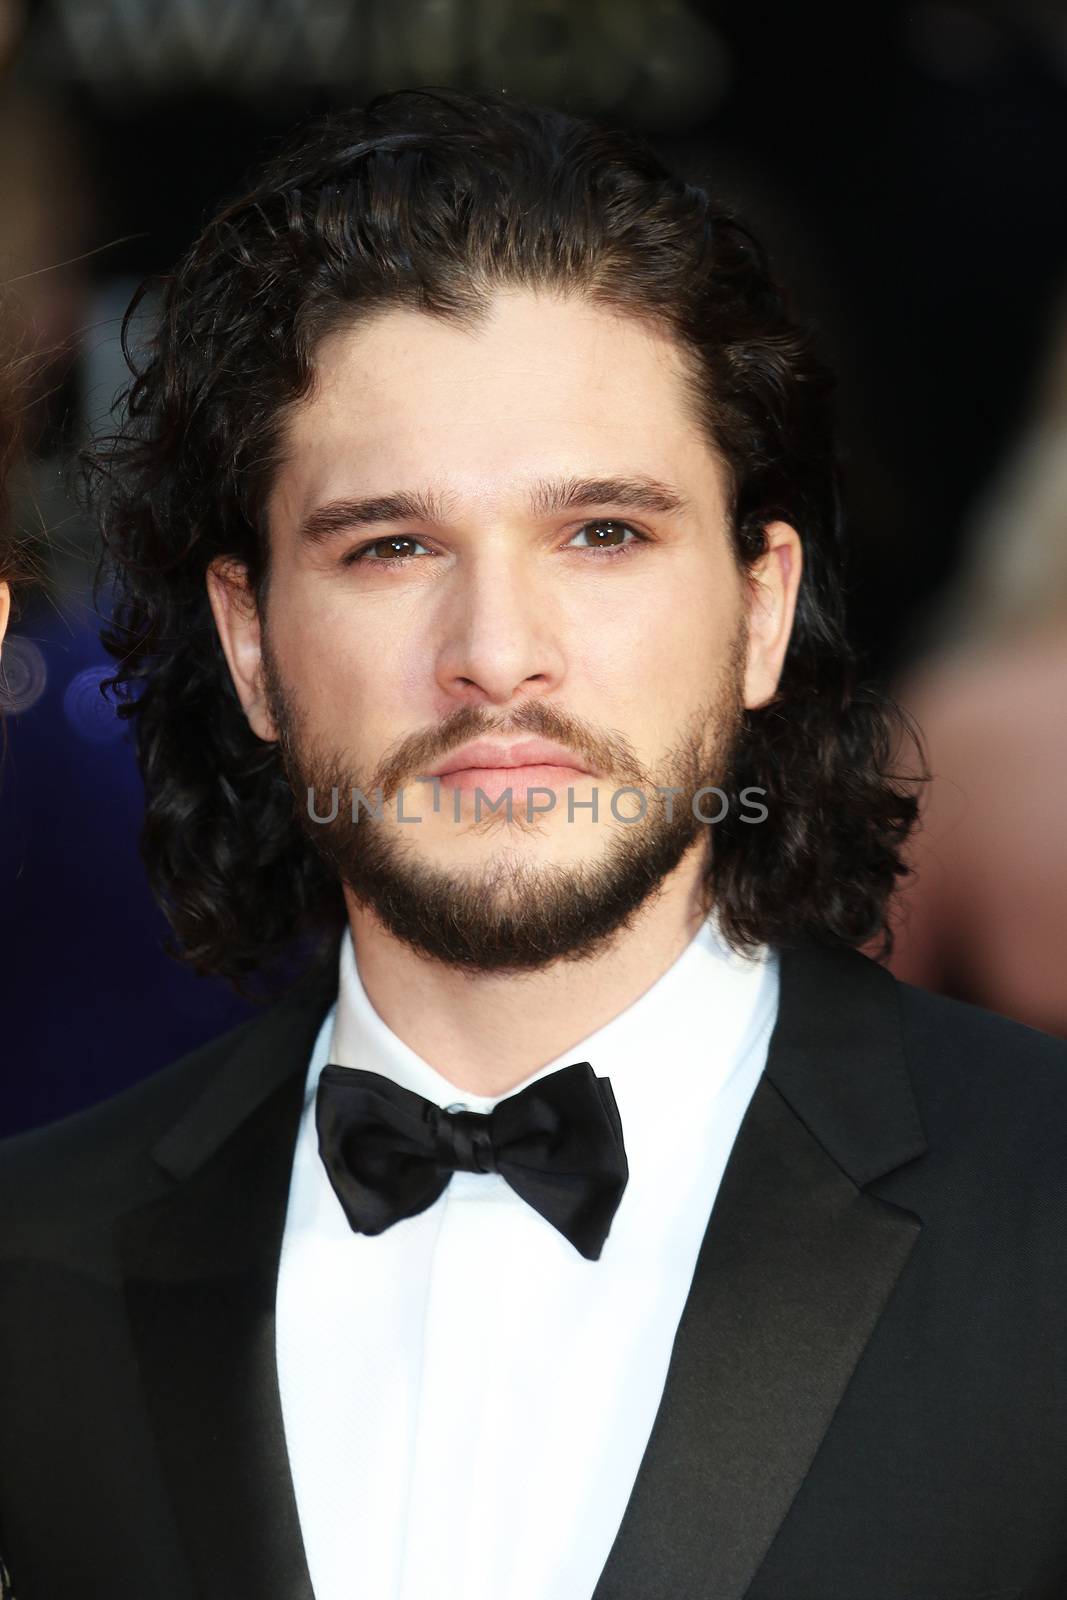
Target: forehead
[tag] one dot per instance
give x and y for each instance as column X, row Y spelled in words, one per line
column 543, row 385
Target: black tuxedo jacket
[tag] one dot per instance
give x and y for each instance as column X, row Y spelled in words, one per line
column 867, row 1397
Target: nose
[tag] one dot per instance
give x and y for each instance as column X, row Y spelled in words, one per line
column 501, row 632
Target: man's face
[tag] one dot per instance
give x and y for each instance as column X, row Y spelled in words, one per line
column 565, row 578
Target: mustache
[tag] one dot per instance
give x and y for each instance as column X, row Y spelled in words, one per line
column 604, row 752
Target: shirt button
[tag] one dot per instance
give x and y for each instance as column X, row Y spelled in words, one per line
column 457, row 1105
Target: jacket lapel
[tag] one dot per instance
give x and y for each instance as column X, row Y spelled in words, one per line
column 794, row 1271
column 796, row 1266
column 201, row 1270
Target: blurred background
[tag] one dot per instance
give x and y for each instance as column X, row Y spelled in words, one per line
column 905, row 164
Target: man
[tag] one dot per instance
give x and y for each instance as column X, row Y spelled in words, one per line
column 590, row 1219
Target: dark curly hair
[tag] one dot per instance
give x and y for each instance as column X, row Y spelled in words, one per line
column 430, row 199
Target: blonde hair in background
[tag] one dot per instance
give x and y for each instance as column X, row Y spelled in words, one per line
column 1015, row 578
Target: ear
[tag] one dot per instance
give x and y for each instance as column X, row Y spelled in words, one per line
column 237, row 619
column 773, row 583
column 5, row 608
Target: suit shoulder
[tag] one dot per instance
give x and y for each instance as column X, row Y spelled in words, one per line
column 100, row 1157
column 939, row 1027
column 973, row 1070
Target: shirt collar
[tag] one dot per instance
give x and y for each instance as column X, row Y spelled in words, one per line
column 679, row 1039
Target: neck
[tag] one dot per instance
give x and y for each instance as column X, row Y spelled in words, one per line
column 487, row 1032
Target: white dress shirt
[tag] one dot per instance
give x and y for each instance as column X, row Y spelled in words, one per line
column 466, row 1399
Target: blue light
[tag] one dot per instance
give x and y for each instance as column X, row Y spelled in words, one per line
column 89, row 713
column 23, row 675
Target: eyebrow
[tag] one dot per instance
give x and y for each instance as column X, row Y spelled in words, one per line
column 549, row 497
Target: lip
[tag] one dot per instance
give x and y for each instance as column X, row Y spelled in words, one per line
column 497, row 782
column 485, row 757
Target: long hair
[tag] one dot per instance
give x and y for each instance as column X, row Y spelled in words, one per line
column 21, row 563
column 431, row 200
column 14, row 560
column 16, row 564
column 8, row 442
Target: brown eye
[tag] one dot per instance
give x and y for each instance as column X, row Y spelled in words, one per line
column 607, row 534
column 396, row 548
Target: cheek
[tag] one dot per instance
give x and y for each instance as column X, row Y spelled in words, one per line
column 340, row 671
column 663, row 641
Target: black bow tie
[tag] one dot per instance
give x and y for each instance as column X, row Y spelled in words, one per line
column 389, row 1153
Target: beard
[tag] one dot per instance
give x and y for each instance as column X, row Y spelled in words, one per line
column 511, row 914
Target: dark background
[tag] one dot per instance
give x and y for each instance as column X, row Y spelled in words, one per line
column 904, row 163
